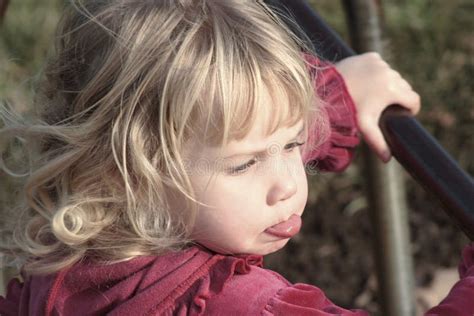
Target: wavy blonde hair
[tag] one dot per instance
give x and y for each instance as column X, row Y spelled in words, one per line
column 129, row 83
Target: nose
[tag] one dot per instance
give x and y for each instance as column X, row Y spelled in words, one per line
column 283, row 185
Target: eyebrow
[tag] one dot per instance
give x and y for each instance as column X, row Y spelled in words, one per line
column 263, row 152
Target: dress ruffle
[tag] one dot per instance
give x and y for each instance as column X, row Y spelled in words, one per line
column 336, row 153
column 205, row 286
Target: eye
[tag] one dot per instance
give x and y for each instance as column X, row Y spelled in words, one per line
column 244, row 167
column 292, row 146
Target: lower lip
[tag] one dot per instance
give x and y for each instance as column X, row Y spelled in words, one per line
column 286, row 229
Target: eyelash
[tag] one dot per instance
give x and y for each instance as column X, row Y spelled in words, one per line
column 243, row 168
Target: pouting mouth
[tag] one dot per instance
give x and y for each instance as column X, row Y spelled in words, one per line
column 286, row 229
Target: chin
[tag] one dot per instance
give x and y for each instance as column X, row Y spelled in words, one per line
column 275, row 246
column 266, row 249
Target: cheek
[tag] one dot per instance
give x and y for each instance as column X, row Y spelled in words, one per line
column 218, row 217
column 229, row 214
column 221, row 232
column 233, row 219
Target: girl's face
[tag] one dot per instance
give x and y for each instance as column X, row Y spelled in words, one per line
column 248, row 193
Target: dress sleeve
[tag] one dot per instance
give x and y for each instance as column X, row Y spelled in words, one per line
column 305, row 299
column 336, row 152
column 460, row 300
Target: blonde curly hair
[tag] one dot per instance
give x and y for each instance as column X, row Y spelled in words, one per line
column 129, row 83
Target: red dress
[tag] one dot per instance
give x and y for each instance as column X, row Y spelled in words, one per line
column 197, row 281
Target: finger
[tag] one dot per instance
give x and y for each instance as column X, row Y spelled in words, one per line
column 410, row 100
column 416, row 102
column 374, row 138
column 403, row 94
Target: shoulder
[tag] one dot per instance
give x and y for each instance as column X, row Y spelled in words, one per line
column 258, row 291
column 247, row 291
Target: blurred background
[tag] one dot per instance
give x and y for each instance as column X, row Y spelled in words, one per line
column 431, row 43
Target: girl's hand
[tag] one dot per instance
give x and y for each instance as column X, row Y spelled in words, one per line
column 373, row 86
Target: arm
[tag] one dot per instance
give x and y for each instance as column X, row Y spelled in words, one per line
column 460, row 300
column 336, row 153
column 355, row 92
column 374, row 85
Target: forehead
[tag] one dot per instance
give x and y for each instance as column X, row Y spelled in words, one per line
column 255, row 141
column 275, row 118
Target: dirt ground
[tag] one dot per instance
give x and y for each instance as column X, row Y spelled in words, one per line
column 334, row 249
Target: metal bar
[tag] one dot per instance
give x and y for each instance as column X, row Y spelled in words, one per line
column 431, row 165
column 389, row 216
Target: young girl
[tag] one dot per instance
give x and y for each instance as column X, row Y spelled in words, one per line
column 173, row 141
